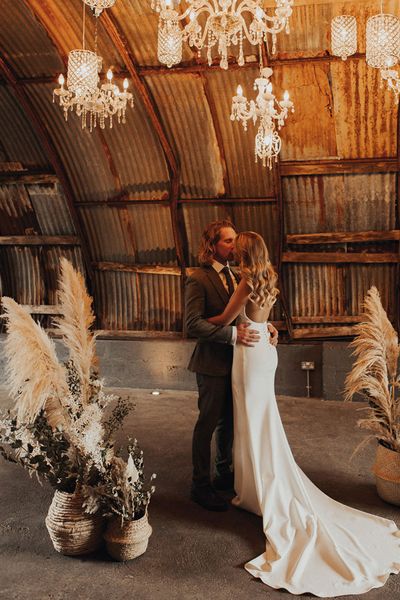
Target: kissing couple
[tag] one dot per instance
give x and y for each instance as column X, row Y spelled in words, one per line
column 313, row 543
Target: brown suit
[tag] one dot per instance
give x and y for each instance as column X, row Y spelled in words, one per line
column 206, row 297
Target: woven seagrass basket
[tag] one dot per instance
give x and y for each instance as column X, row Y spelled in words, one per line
column 127, row 540
column 387, row 474
column 71, row 530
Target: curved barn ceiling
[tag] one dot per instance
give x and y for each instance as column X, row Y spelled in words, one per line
column 127, row 205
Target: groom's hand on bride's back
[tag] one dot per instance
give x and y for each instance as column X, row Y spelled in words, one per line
column 247, row 336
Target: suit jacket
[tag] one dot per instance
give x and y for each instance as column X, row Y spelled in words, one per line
column 206, row 297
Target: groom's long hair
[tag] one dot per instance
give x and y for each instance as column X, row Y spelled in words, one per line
column 210, row 238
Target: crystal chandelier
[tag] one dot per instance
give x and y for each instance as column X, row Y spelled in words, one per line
column 270, row 113
column 99, row 5
column 344, row 36
column 217, row 23
column 382, row 44
column 83, row 94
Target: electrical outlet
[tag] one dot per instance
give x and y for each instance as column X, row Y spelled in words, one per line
column 308, row 365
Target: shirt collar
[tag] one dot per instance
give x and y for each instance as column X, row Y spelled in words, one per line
column 219, row 266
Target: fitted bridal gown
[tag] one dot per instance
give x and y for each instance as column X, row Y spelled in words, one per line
column 313, row 543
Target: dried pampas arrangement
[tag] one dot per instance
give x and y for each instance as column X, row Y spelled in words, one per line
column 35, row 377
column 374, row 372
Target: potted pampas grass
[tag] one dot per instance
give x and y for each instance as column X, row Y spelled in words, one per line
column 375, row 375
column 58, row 429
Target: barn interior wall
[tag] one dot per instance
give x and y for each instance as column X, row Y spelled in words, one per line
column 161, row 364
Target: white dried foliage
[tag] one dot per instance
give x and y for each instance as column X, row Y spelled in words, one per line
column 75, row 322
column 374, row 371
column 35, row 377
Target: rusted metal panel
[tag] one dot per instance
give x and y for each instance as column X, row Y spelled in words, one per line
column 25, row 43
column 23, row 274
column 362, row 277
column 254, row 216
column 109, row 238
column 365, row 113
column 161, row 302
column 190, row 130
column 18, row 140
column 315, row 290
column 309, row 132
column 80, row 151
column 51, row 257
column 316, row 204
column 126, row 301
column 137, row 154
column 333, row 291
column 137, row 234
column 246, row 178
column 139, row 24
column 151, row 228
column 63, row 21
column 309, row 31
column 52, row 212
column 16, row 212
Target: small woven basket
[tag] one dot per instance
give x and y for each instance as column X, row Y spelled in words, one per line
column 127, row 540
column 71, row 530
column 387, row 474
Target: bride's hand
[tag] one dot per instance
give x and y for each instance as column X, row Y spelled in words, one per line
column 246, row 336
column 274, row 334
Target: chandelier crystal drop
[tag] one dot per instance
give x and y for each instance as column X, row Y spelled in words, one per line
column 268, row 111
column 382, row 41
column 99, row 5
column 218, row 24
column 392, row 79
column 344, row 36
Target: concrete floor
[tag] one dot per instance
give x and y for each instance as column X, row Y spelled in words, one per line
column 193, row 554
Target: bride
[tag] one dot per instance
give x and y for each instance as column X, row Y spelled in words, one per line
column 313, row 543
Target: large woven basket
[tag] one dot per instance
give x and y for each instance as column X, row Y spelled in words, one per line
column 387, row 474
column 71, row 530
column 127, row 540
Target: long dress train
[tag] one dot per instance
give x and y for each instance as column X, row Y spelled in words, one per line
column 314, row 544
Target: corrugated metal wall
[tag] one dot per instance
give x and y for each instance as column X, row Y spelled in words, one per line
column 124, row 202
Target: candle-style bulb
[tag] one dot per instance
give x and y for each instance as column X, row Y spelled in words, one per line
column 125, row 84
column 61, row 79
column 286, row 95
column 109, row 75
column 239, row 90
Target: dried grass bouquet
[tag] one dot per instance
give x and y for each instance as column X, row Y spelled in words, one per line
column 59, row 429
column 375, row 373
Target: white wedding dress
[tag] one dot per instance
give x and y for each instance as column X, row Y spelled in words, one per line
column 313, row 543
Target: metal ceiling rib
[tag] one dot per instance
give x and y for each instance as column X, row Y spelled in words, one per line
column 181, row 102
column 246, row 178
column 80, row 151
column 17, row 135
column 316, row 204
column 25, row 43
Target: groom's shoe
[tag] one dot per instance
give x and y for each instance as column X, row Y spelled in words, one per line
column 224, row 482
column 208, row 499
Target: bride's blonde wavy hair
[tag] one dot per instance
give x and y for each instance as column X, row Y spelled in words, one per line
column 255, row 266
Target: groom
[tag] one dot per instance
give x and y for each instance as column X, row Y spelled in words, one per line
column 207, row 293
